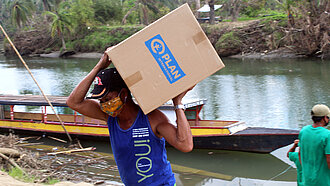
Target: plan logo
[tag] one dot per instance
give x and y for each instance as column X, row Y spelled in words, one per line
column 165, row 59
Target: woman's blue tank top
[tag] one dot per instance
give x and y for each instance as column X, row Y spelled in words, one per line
column 139, row 154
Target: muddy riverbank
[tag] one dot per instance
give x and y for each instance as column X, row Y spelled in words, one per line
column 40, row 165
column 280, row 53
column 7, row 180
column 106, row 173
column 243, row 39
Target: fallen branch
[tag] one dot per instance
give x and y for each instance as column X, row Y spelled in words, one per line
column 10, row 152
column 94, row 160
column 26, row 138
column 71, row 151
column 53, row 138
column 12, row 162
column 79, row 144
column 83, row 156
column 51, row 174
column 29, row 144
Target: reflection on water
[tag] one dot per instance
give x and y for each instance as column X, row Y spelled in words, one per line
column 274, row 93
column 55, row 76
column 201, row 167
column 232, row 164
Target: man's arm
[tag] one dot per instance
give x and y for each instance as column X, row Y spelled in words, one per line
column 77, row 101
column 327, row 150
column 328, row 160
column 293, row 148
column 179, row 137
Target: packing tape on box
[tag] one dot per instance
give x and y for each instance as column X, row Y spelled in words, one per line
column 133, row 79
column 199, row 37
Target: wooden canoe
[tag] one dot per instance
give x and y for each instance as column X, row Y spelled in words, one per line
column 208, row 134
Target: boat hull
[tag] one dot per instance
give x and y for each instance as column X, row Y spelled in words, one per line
column 253, row 139
column 208, row 134
column 260, row 141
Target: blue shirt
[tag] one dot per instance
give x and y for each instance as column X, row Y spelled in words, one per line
column 139, row 154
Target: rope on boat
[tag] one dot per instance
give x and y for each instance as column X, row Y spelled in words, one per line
column 28, row 69
column 281, row 173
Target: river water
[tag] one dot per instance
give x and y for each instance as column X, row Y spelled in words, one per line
column 270, row 93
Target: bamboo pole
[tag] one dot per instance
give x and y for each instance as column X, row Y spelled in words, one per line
column 53, row 138
column 71, row 151
column 42, row 92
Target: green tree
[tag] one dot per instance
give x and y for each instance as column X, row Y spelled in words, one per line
column 46, row 4
column 287, row 5
column 235, row 8
column 4, row 6
column 82, row 12
column 253, row 8
column 21, row 10
column 61, row 22
column 56, row 4
column 144, row 6
column 108, row 10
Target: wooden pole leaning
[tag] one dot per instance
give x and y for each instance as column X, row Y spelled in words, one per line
column 42, row 92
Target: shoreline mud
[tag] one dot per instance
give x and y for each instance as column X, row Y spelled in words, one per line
column 7, row 180
column 282, row 53
column 89, row 55
column 63, row 165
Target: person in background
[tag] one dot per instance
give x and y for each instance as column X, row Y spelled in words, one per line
column 294, row 157
column 314, row 148
column 137, row 140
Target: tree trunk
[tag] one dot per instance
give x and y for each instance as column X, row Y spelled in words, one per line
column 235, row 8
column 198, row 6
column 313, row 7
column 45, row 5
column 212, row 18
column 145, row 15
column 63, row 42
column 128, row 13
column 290, row 18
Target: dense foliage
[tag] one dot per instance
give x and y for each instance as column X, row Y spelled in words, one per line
column 302, row 24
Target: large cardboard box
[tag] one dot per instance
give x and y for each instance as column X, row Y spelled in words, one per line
column 165, row 58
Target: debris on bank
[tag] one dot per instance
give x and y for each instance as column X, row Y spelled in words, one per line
column 55, row 164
